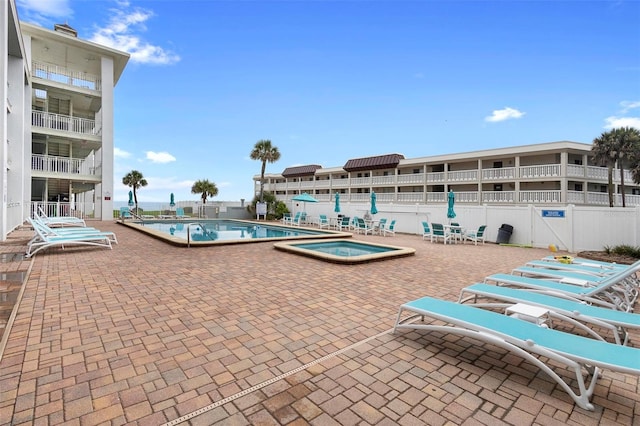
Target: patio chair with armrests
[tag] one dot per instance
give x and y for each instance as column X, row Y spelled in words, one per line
column 391, row 229
column 323, row 221
column 475, row 236
column 379, row 227
column 438, row 232
column 426, row 231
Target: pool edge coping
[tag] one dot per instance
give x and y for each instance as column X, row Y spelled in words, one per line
column 290, row 247
column 181, row 242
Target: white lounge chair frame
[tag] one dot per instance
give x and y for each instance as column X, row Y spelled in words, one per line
column 526, row 339
column 611, row 293
column 58, row 220
column 73, row 231
column 617, row 322
column 45, row 241
column 589, row 262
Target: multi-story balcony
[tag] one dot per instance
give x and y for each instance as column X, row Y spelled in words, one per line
column 79, row 168
column 410, row 188
column 66, row 76
column 65, row 123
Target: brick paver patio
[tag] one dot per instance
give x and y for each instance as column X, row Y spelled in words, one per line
column 150, row 334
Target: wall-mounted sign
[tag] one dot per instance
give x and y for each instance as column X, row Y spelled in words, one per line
column 552, row 213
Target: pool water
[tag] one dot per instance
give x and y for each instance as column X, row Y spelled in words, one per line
column 345, row 248
column 345, row 251
column 226, row 230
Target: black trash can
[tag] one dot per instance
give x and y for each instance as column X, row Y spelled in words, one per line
column 504, row 234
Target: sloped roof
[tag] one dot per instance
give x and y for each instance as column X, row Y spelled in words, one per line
column 298, row 171
column 372, row 163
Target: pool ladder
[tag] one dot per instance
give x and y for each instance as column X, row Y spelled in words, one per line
column 189, row 231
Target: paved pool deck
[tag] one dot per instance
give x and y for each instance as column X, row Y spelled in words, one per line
column 151, row 334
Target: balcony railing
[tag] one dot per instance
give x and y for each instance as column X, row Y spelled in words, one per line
column 463, row 176
column 435, row 177
column 410, row 181
column 383, row 180
column 66, row 76
column 360, row 181
column 412, row 178
column 66, row 123
column 534, row 197
column 54, row 164
column 499, row 174
column 410, row 197
column 498, row 196
column 541, row 171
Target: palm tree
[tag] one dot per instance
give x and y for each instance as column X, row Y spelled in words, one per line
column 601, row 149
column 205, row 189
column 626, row 140
column 634, row 164
column 265, row 152
column 135, row 180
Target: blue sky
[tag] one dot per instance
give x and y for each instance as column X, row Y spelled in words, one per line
column 327, row 81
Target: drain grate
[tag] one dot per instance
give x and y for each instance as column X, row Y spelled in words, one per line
column 11, row 257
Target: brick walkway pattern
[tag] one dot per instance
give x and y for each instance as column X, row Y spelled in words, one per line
column 147, row 333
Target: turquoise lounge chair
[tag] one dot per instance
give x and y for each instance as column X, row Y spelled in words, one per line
column 125, row 213
column 58, row 221
column 527, row 340
column 583, row 269
column 44, row 240
column 180, row 213
column 69, row 231
column 611, row 293
column 617, row 322
column 588, row 262
column 579, row 278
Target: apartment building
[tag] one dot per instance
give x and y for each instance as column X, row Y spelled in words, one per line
column 58, row 125
column 555, row 173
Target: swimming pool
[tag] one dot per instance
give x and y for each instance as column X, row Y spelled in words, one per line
column 225, row 231
column 345, row 251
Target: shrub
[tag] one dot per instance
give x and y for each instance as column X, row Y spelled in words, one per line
column 623, row 250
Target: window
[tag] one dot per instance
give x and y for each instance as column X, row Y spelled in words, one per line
column 497, row 187
column 578, row 187
column 497, row 165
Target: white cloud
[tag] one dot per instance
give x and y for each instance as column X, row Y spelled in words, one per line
column 40, row 11
column 629, row 105
column 121, row 31
column 168, row 183
column 160, row 157
column 615, row 122
column 504, row 114
column 120, row 153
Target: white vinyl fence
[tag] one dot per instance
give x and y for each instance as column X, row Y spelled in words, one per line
column 572, row 228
